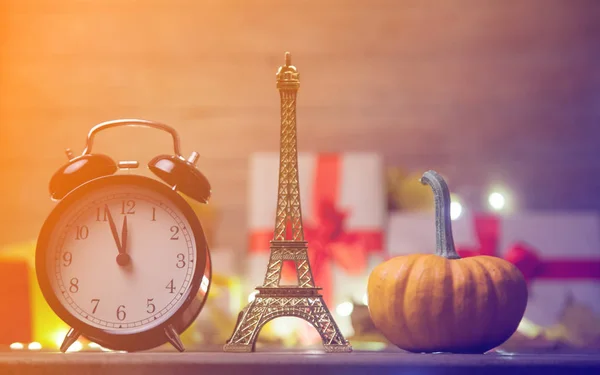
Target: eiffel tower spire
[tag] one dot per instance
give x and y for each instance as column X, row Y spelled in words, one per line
column 289, row 212
column 274, row 300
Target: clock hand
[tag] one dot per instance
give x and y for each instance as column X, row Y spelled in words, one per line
column 123, row 259
column 124, row 236
column 113, row 228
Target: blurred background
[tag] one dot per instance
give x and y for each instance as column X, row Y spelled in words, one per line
column 500, row 96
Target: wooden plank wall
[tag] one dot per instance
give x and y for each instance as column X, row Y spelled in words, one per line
column 481, row 90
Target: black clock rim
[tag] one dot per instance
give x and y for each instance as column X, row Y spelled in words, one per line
column 154, row 337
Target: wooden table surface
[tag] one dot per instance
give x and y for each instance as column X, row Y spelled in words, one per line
column 291, row 363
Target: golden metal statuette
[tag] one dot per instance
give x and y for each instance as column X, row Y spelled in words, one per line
column 274, row 300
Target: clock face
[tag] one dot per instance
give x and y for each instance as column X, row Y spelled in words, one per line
column 121, row 257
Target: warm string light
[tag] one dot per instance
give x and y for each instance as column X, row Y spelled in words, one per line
column 17, row 346
column 497, row 201
column 34, row 346
column 456, row 208
column 345, row 308
column 77, row 346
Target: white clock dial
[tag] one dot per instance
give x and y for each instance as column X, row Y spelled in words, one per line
column 100, row 285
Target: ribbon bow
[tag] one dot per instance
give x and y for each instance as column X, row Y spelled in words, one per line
column 330, row 243
column 487, row 231
column 525, row 257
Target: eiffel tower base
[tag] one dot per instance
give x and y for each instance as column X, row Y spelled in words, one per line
column 271, row 303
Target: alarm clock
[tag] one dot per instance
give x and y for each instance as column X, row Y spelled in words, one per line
column 122, row 258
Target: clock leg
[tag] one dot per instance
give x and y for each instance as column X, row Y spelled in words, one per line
column 69, row 339
column 173, row 338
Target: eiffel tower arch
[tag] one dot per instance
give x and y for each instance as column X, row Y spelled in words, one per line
column 309, row 307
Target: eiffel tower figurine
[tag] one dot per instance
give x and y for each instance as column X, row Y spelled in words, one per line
column 274, row 300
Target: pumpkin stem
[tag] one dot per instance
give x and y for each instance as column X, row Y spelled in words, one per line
column 444, row 245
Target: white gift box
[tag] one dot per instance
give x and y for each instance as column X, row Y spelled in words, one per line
column 561, row 241
column 355, row 183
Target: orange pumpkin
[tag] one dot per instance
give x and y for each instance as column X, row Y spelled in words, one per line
column 442, row 303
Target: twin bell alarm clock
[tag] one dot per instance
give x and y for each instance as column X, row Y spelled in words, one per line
column 122, row 258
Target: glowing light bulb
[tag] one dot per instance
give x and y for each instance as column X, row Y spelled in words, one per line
column 496, row 201
column 77, row 346
column 34, row 346
column 345, row 309
column 455, row 210
column 17, row 346
column 59, row 336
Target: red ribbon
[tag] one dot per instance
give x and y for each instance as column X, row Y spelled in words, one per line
column 526, row 258
column 329, row 242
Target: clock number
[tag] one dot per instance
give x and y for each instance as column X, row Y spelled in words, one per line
column 121, row 312
column 101, row 211
column 67, row 258
column 171, row 287
column 150, row 306
column 74, row 287
column 96, row 301
column 175, row 231
column 180, row 261
column 82, row 232
column 153, row 214
column 128, row 207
